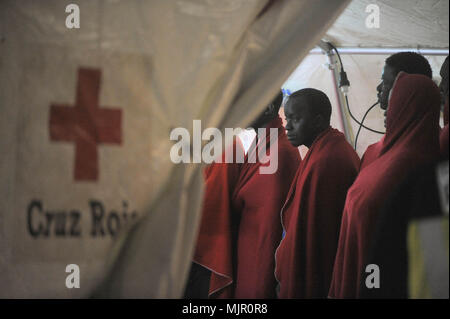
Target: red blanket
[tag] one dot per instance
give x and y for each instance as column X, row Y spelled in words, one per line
column 311, row 217
column 371, row 153
column 215, row 239
column 240, row 225
column 259, row 198
column 411, row 141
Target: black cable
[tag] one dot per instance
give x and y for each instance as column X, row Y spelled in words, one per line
column 361, row 123
column 339, row 56
column 364, row 117
column 346, row 99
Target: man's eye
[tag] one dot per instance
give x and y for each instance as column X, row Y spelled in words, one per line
column 292, row 119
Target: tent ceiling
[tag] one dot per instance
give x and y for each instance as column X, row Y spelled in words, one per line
column 403, row 23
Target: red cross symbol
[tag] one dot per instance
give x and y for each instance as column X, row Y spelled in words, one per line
column 86, row 124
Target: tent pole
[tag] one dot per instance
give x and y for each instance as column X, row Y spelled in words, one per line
column 332, row 65
column 324, row 48
column 380, row 51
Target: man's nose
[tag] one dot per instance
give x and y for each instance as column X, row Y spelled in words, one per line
column 288, row 125
column 380, row 87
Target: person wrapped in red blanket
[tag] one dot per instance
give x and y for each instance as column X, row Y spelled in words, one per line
column 409, row 62
column 311, row 215
column 411, row 141
column 239, row 238
column 212, row 269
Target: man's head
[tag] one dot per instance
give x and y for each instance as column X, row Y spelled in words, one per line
column 409, row 62
column 308, row 113
column 443, row 86
column 269, row 113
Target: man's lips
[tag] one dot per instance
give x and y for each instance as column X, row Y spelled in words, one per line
column 379, row 97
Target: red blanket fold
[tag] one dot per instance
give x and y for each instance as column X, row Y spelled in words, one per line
column 371, row 153
column 240, row 225
column 259, row 198
column 411, row 141
column 214, row 243
column 311, row 217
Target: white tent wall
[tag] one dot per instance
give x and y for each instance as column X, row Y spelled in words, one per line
column 269, row 50
column 402, row 23
column 364, row 73
column 163, row 64
column 156, row 65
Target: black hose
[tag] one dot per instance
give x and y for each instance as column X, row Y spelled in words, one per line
column 364, row 117
column 360, row 123
column 346, row 99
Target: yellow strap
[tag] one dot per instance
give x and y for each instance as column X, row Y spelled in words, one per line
column 428, row 254
column 417, row 281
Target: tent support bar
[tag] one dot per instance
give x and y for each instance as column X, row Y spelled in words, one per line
column 340, row 97
column 380, row 51
column 325, row 48
column 346, row 126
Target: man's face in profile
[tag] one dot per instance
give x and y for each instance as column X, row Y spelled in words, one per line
column 299, row 122
column 387, row 82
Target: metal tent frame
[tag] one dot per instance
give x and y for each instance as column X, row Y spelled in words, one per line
column 325, row 48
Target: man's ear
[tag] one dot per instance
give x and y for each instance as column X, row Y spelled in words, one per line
column 319, row 121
